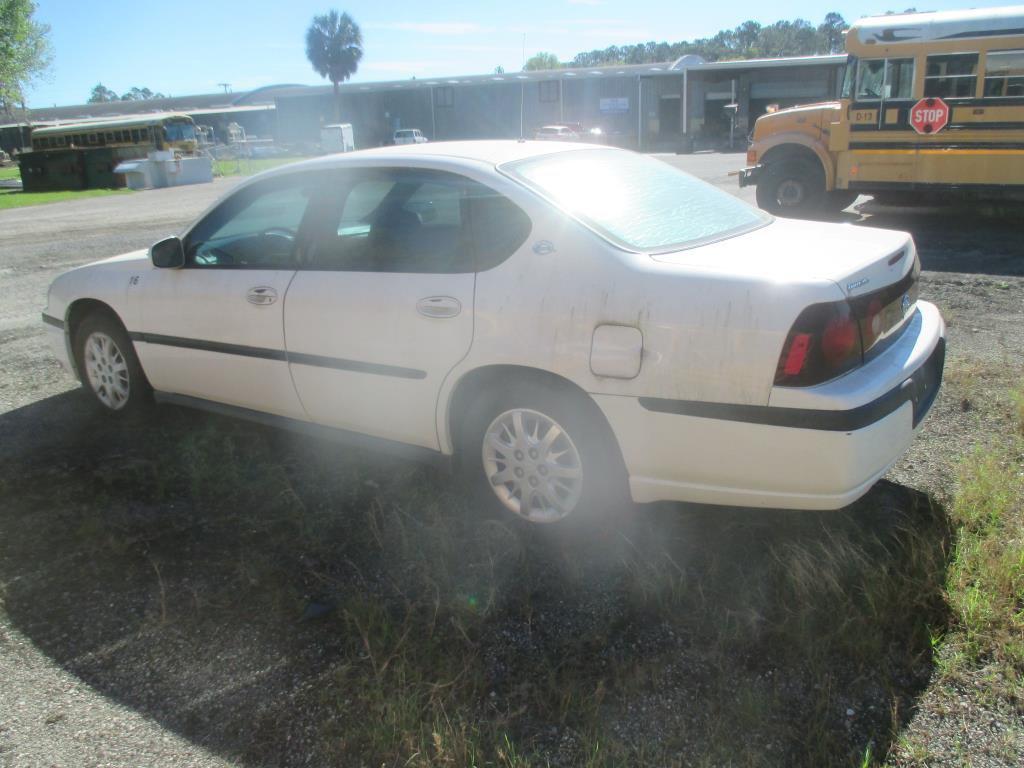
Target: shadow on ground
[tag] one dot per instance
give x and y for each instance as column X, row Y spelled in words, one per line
column 284, row 602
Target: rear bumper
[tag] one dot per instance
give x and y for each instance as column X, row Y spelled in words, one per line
column 815, row 448
column 748, row 176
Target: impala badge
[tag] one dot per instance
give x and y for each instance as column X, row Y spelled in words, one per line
column 851, row 287
column 543, row 247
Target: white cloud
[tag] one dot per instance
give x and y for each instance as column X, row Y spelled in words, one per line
column 433, row 27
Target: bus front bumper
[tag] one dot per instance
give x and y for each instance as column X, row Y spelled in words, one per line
column 748, row 176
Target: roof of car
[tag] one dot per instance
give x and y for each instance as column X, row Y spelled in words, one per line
column 488, row 152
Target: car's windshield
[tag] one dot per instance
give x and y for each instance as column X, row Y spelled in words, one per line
column 635, row 201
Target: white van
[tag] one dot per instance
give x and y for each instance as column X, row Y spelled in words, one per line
column 337, row 138
column 410, row 136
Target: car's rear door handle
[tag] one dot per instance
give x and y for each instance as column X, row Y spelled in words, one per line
column 439, row 306
column 261, row 295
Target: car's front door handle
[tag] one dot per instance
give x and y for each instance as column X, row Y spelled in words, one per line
column 261, row 295
column 439, row 306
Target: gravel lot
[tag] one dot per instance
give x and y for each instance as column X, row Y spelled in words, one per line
column 66, row 698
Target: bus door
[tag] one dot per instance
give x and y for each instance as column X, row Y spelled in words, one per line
column 883, row 146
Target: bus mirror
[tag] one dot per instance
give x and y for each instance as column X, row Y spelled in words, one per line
column 168, row 253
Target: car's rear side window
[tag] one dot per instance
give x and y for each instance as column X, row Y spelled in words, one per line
column 406, row 220
column 637, row 202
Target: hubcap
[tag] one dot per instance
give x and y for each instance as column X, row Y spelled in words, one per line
column 107, row 370
column 533, row 465
column 791, row 193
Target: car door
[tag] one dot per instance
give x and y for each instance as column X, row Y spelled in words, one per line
column 214, row 329
column 382, row 310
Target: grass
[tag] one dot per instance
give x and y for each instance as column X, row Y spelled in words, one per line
column 416, row 630
column 444, row 636
column 986, row 575
column 248, row 167
column 10, row 172
column 18, row 199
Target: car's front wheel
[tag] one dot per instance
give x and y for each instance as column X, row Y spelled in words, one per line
column 543, row 455
column 108, row 365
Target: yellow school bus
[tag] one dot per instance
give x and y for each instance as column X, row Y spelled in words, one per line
column 932, row 105
column 141, row 133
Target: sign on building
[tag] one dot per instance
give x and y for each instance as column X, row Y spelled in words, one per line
column 615, row 106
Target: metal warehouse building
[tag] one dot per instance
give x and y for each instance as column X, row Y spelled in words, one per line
column 648, row 107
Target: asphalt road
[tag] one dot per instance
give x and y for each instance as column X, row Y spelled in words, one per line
column 50, row 717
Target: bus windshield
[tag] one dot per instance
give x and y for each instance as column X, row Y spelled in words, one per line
column 851, row 70
column 180, row 132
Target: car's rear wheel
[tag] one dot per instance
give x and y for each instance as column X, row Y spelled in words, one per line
column 108, row 365
column 542, row 455
column 791, row 187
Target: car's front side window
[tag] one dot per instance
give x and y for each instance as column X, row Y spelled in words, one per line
column 257, row 228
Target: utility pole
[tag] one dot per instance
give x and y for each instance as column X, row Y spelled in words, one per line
column 225, row 86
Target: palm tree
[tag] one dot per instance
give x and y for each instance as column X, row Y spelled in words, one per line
column 334, row 46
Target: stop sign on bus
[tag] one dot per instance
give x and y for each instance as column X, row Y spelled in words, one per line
column 929, row 115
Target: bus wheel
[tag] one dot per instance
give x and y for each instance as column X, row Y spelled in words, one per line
column 791, row 188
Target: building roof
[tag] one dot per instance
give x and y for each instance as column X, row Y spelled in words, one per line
column 571, row 73
column 208, row 102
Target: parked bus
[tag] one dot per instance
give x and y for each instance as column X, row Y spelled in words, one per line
column 143, row 133
column 932, row 105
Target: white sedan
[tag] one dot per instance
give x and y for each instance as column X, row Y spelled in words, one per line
column 572, row 325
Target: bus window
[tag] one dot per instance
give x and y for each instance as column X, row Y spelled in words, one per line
column 870, row 73
column 899, row 79
column 951, row 76
column 885, row 79
column 1004, row 74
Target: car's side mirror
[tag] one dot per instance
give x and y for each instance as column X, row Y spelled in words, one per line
column 168, row 253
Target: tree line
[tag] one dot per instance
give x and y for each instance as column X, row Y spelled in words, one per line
column 101, row 95
column 750, row 40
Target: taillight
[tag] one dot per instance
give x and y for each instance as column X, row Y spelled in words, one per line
column 824, row 343
column 751, row 157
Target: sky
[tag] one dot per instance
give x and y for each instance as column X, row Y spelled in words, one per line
column 191, row 46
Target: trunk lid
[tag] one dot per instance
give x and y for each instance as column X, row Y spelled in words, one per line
column 860, row 260
column 877, row 270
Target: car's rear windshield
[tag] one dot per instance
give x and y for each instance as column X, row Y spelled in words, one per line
column 635, row 201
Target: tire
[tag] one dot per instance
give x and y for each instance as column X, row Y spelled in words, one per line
column 793, row 188
column 572, row 474
column 109, row 368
